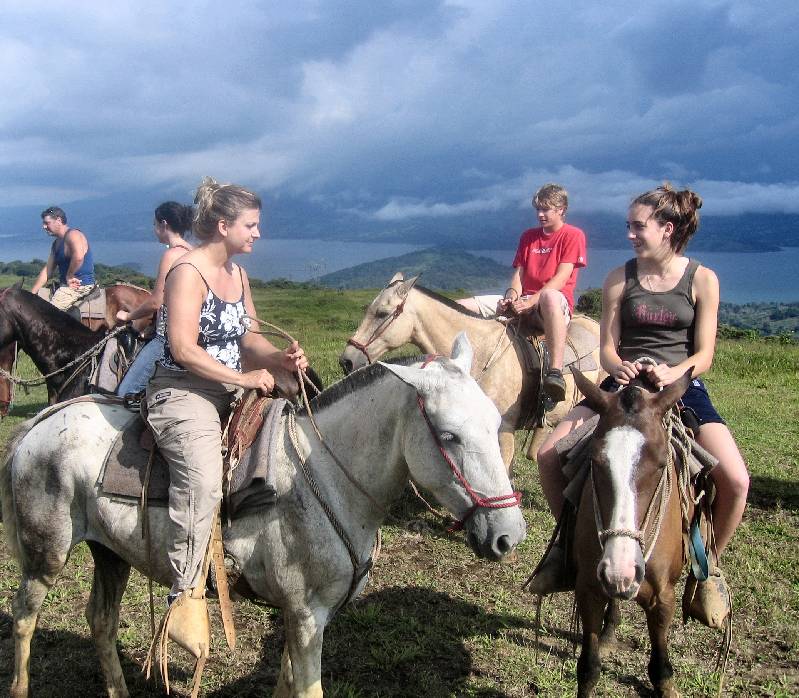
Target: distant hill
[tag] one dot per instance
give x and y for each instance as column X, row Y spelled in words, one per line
column 440, row 268
column 296, row 217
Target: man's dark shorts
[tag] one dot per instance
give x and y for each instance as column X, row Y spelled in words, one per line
column 695, row 399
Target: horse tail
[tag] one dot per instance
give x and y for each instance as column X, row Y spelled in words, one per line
column 7, row 513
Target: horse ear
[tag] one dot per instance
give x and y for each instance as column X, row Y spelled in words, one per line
column 597, row 398
column 18, row 285
column 397, row 277
column 405, row 287
column 667, row 398
column 407, row 374
column 462, row 353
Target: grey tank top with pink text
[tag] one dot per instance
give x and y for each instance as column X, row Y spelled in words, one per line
column 658, row 324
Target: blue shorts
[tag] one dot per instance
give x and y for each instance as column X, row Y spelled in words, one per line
column 695, row 399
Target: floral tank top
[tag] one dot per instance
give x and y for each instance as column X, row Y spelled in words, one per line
column 222, row 325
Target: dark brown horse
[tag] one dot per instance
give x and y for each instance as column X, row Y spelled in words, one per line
column 628, row 537
column 7, row 356
column 52, row 338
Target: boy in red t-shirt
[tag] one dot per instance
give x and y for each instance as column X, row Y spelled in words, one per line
column 544, row 276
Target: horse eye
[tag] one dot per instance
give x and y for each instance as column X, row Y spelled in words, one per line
column 448, row 436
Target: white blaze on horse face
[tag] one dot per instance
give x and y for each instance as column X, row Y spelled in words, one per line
column 622, row 452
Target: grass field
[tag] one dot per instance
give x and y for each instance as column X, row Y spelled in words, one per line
column 434, row 620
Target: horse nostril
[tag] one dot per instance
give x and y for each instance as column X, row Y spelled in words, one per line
column 504, row 545
column 346, row 365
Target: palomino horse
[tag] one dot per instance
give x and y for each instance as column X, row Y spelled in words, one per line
column 406, row 312
column 53, row 339
column 628, row 535
column 428, row 421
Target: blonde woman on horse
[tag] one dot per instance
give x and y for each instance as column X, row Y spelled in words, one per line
column 171, row 224
column 662, row 305
column 207, row 339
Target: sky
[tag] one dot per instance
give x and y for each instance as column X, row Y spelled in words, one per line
column 405, row 110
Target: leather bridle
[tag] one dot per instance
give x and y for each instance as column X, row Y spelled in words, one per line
column 381, row 328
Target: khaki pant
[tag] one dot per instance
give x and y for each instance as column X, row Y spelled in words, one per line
column 65, row 297
column 185, row 413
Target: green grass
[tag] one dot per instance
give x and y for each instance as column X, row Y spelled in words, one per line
column 434, row 620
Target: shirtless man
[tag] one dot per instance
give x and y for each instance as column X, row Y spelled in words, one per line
column 71, row 255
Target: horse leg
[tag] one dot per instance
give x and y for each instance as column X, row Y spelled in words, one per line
column 591, row 609
column 607, row 638
column 102, row 613
column 26, row 605
column 659, row 615
column 301, row 665
column 285, row 681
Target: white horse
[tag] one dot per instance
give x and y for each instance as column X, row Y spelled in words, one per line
column 388, row 422
column 406, row 312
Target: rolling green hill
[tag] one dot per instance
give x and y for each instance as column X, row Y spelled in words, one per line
column 441, row 269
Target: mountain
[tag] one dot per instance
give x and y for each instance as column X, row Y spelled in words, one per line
column 440, row 268
column 304, row 218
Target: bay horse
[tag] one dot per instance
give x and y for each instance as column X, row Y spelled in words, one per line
column 628, row 541
column 51, row 337
column 405, row 312
column 425, row 420
column 119, row 296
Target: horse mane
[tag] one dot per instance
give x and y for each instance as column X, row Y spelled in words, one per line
column 448, row 302
column 631, row 396
column 354, row 382
column 60, row 321
column 129, row 285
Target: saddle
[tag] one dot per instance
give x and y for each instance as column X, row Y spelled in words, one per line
column 582, row 341
column 134, row 467
column 92, row 307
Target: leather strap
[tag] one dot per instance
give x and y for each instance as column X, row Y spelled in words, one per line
column 225, row 606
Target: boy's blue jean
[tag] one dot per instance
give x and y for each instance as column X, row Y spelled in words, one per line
column 142, row 368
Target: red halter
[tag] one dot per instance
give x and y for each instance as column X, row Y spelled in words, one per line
column 502, row 501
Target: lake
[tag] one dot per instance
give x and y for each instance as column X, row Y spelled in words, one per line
column 744, row 277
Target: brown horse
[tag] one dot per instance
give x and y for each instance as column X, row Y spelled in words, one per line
column 405, row 311
column 118, row 297
column 628, row 536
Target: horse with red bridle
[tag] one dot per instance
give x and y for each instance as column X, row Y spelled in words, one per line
column 628, row 541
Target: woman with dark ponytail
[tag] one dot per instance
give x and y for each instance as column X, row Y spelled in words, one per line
column 662, row 305
column 172, row 223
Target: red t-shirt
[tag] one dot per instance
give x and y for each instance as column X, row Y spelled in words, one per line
column 539, row 255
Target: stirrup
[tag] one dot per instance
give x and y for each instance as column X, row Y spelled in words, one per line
column 186, row 623
column 708, row 602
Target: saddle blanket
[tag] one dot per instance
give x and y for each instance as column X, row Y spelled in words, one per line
column 248, row 487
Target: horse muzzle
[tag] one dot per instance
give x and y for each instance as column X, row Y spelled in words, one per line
column 621, row 568
column 494, row 533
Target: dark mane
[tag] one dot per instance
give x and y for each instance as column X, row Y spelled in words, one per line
column 355, row 381
column 631, row 396
column 448, row 302
column 60, row 322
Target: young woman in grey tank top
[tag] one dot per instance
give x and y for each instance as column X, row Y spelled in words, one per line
column 662, row 305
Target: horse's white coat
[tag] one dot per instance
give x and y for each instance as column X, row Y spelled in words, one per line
column 289, row 553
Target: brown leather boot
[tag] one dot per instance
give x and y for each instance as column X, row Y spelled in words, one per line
column 709, row 601
column 552, row 576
